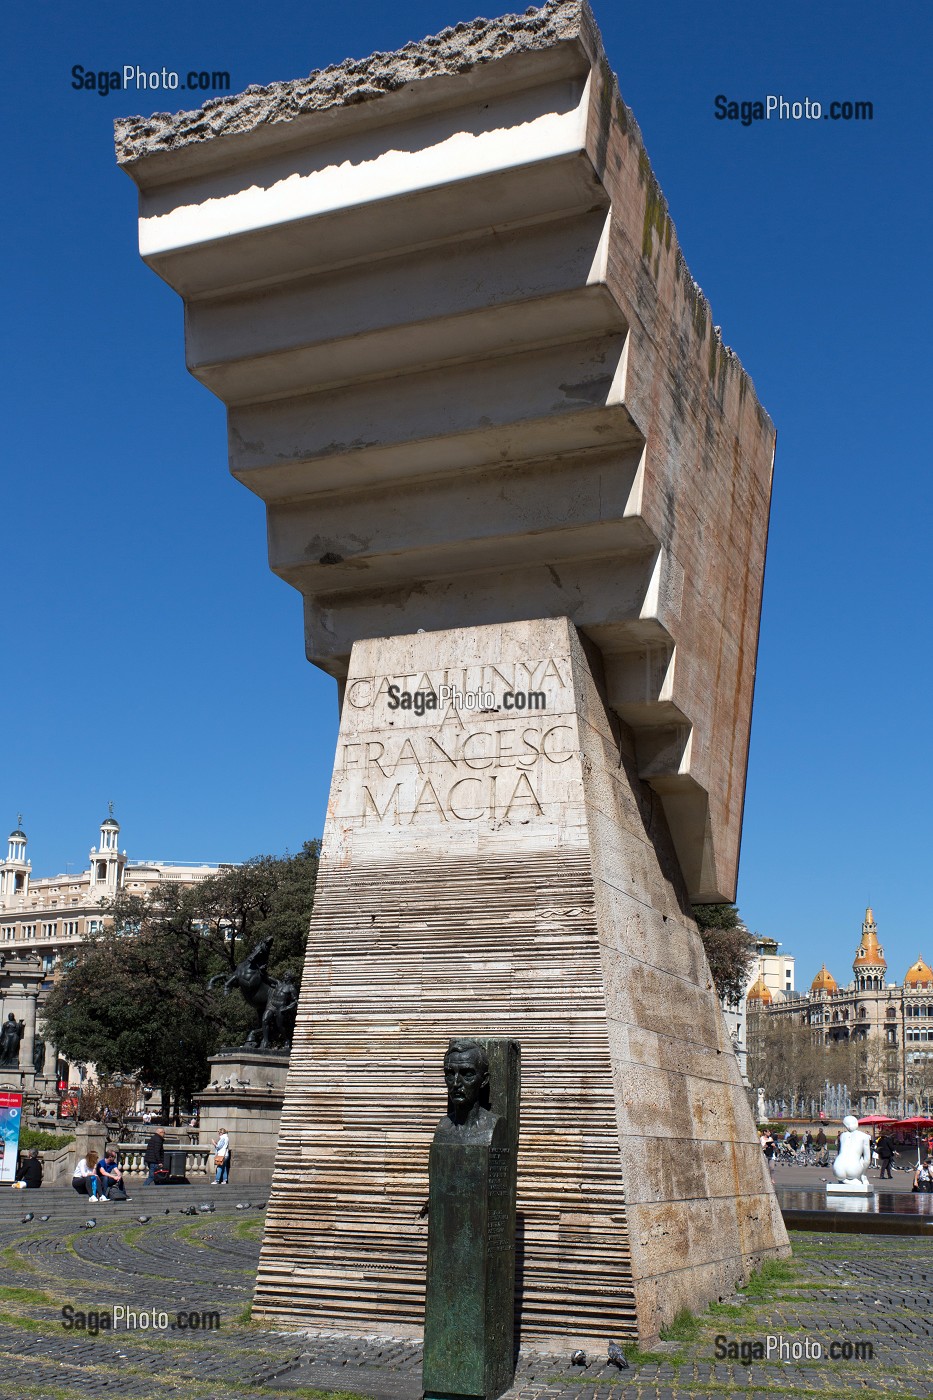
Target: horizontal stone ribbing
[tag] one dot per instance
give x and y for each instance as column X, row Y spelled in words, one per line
column 399, row 960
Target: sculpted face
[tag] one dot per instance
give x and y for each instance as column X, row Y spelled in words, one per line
column 464, row 1077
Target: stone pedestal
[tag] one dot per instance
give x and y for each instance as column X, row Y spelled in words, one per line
column 20, row 980
column 245, row 1096
column 505, row 870
column 849, row 1188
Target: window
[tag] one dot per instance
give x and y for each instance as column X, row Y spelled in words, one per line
column 29, row 930
column 9, row 932
column 48, row 930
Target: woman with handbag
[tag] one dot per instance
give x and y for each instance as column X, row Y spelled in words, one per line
column 221, row 1158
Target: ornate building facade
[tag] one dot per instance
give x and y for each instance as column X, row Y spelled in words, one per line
column 50, row 915
column 889, row 1023
column 42, row 921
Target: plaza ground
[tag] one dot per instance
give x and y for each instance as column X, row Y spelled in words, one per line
column 844, row 1289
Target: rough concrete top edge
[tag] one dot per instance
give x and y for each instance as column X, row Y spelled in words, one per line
column 454, row 50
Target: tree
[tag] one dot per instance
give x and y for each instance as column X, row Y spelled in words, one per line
column 729, row 948
column 135, row 1001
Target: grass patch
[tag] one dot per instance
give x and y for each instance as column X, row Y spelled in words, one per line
column 247, row 1229
column 767, row 1280
column 25, row 1295
column 245, row 1317
column 28, row 1323
column 14, row 1260
column 685, row 1327
column 727, row 1310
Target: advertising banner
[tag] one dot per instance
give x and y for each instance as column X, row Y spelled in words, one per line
column 11, row 1116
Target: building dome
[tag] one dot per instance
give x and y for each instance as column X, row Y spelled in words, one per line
column 17, row 835
column 919, row 974
column 110, row 822
column 824, row 981
column 759, row 992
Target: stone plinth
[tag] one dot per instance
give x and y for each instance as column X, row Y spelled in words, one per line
column 245, row 1096
column 469, row 373
column 20, row 982
column 508, row 872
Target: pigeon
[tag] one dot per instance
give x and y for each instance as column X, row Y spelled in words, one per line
column 207, row 1209
column 89, row 1224
column 30, row 1215
column 578, row 1358
column 144, row 1219
column 168, row 1210
column 617, row 1356
column 242, row 1205
column 189, row 1210
column 45, row 1217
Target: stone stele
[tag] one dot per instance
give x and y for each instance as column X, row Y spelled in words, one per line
column 496, row 429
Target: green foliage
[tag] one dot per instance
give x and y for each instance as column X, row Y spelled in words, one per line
column 768, row 1279
column 136, row 1000
column 685, row 1327
column 45, row 1142
column 729, row 947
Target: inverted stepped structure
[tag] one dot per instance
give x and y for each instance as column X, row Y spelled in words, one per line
column 467, row 370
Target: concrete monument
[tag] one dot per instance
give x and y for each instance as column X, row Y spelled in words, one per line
column 469, row 1299
column 523, row 487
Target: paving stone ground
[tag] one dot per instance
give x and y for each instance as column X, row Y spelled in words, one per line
column 845, row 1289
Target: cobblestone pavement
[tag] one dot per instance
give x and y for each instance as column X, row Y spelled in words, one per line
column 848, row 1290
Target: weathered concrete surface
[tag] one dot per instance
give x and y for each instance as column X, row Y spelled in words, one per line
column 453, row 51
column 508, row 873
column 468, row 371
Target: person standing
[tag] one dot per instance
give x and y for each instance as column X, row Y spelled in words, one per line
column 155, row 1155
column 221, row 1158
column 821, row 1145
column 769, row 1148
column 885, row 1155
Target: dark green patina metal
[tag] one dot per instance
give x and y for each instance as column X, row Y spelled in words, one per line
column 470, row 1300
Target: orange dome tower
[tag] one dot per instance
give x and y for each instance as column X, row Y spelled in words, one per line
column 919, row 974
column 870, row 964
column 760, row 993
column 824, row 982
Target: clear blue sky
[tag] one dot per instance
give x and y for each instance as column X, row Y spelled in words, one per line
column 150, row 657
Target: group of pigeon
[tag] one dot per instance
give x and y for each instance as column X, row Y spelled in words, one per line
column 206, row 1208
column 615, row 1355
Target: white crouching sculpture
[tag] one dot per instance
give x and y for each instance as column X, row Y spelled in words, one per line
column 851, row 1165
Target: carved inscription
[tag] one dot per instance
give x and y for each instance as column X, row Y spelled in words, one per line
column 497, row 1224
column 448, row 767
column 455, row 777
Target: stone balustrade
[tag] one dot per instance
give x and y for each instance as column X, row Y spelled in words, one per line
column 198, row 1160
